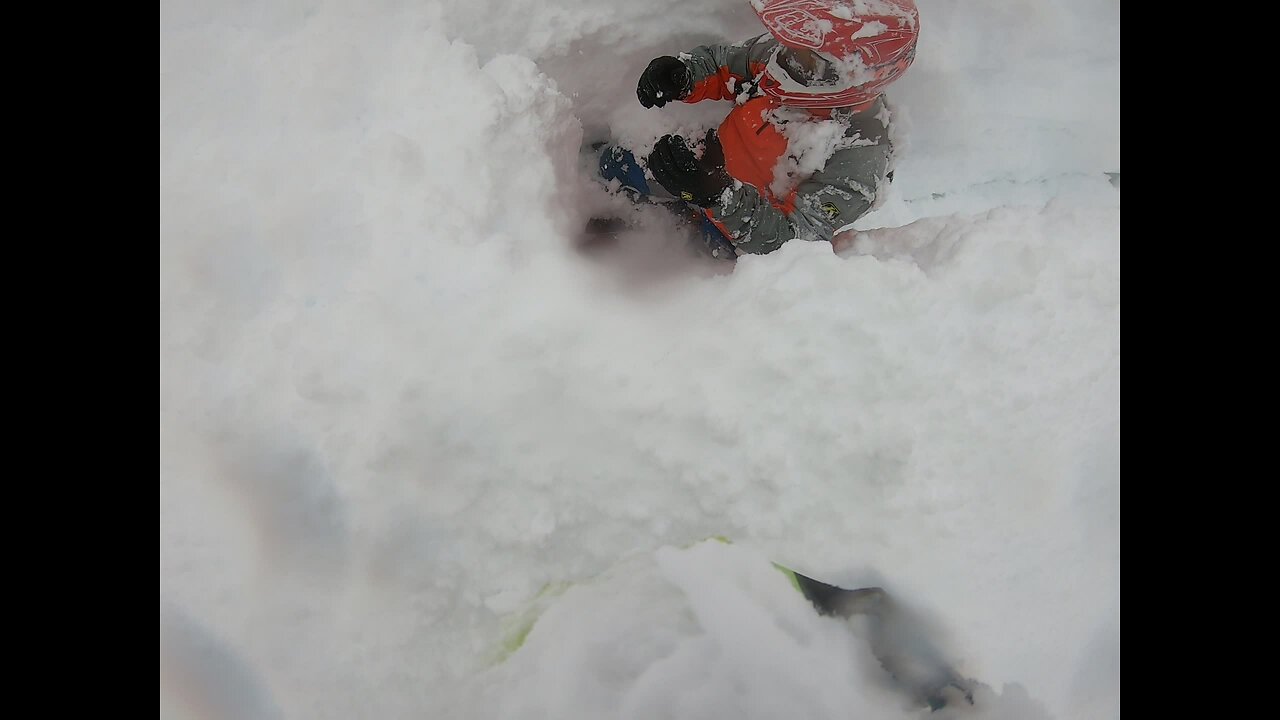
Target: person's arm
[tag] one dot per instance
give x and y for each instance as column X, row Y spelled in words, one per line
column 820, row 206
column 718, row 72
column 707, row 72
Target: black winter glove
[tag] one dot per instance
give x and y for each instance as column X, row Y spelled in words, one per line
column 665, row 80
column 675, row 167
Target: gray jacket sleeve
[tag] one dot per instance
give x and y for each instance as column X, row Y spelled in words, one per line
column 827, row 201
column 712, row 66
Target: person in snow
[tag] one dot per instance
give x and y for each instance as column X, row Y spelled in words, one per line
column 806, row 150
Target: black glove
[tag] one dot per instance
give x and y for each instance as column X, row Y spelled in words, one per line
column 665, row 80
column 675, row 167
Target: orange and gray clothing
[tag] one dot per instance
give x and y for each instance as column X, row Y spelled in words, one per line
column 752, row 213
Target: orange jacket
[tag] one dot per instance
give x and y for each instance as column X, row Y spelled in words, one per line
column 770, row 207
